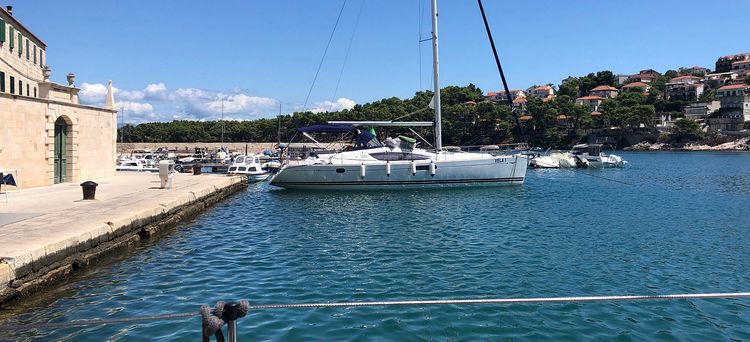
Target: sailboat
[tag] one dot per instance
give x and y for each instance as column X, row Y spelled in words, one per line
column 397, row 163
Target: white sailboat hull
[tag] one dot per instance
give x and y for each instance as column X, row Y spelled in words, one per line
column 502, row 170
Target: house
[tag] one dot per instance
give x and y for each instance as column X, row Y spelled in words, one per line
column 719, row 79
column 686, row 88
column 735, row 101
column 640, row 86
column 739, row 66
column 593, row 102
column 724, row 63
column 499, row 96
column 519, row 104
column 604, row 91
column 45, row 131
column 701, row 110
column 695, row 70
column 644, row 78
column 541, row 92
column 621, row 78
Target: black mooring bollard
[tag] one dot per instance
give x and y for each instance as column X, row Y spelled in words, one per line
column 231, row 312
column 89, row 190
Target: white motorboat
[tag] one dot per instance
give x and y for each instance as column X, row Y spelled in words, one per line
column 398, row 163
column 133, row 165
column 249, row 166
column 591, row 155
column 554, row 160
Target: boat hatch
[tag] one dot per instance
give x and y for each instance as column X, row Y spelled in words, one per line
column 398, row 156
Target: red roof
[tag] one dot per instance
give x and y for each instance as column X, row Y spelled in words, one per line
column 548, row 98
column 745, row 54
column 495, row 93
column 590, row 98
column 526, row 118
column 519, row 100
column 544, row 87
column 562, row 117
column 636, row 84
column 741, row 62
column 734, row 86
column 604, row 88
column 595, row 113
column 470, row 102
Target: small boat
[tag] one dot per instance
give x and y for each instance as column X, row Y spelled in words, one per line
column 249, row 166
column 133, row 165
column 553, row 161
column 591, row 155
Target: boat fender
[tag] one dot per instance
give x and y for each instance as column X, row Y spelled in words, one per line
column 413, row 168
column 362, row 171
column 433, row 168
column 388, row 169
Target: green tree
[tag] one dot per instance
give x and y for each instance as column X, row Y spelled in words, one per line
column 686, row 130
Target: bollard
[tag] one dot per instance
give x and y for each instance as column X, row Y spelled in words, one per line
column 197, row 169
column 231, row 312
column 89, row 190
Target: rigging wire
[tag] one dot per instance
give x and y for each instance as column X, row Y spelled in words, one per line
column 346, row 56
column 304, row 107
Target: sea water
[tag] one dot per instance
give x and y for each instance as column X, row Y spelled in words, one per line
column 666, row 223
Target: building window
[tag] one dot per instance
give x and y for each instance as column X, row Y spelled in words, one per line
column 35, row 92
column 41, row 57
column 12, row 85
column 28, row 56
column 2, row 31
column 20, row 45
column 34, row 54
column 28, row 93
column 10, row 36
column 2, row 82
column 20, row 87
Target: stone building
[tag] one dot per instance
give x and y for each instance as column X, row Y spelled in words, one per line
column 45, row 133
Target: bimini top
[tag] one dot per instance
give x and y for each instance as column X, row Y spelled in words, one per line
column 334, row 128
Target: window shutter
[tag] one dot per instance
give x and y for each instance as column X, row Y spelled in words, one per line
column 2, row 31
column 20, row 43
column 11, row 36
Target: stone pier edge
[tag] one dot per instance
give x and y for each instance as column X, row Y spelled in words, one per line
column 51, row 269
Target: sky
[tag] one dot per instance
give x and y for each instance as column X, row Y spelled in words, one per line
column 178, row 59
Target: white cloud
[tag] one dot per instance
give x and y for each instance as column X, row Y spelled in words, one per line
column 156, row 102
column 136, row 107
column 328, row 106
column 92, row 93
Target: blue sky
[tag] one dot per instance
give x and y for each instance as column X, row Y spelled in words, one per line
column 175, row 59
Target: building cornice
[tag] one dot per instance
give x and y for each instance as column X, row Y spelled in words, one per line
column 48, row 101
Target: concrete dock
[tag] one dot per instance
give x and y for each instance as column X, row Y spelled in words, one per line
column 48, row 233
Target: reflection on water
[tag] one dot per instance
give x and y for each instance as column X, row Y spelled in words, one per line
column 679, row 226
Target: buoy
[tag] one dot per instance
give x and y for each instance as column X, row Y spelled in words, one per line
column 388, row 169
column 433, row 168
column 413, row 168
column 362, row 171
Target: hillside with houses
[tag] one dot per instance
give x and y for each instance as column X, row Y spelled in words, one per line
column 690, row 102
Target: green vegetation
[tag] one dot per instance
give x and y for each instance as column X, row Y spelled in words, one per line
column 555, row 122
column 686, row 130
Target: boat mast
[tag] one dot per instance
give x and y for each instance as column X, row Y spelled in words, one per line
column 436, row 72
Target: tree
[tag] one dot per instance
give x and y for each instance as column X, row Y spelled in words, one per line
column 686, row 130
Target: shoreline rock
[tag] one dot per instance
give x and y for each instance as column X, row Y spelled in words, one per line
column 742, row 144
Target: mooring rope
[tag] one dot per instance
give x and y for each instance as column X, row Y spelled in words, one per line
column 472, row 301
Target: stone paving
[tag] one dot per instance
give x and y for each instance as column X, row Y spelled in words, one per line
column 39, row 223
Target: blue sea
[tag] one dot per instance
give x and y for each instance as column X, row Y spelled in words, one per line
column 669, row 222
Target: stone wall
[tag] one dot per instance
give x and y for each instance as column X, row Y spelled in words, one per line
column 27, row 128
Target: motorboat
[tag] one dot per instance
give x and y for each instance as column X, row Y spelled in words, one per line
column 396, row 163
column 592, row 155
column 553, row 160
column 249, row 166
column 133, row 165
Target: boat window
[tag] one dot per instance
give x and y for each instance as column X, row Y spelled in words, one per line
column 252, row 169
column 423, row 168
column 242, row 168
column 232, row 168
column 340, row 170
column 398, row 156
column 239, row 159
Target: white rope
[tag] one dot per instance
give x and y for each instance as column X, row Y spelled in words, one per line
column 473, row 301
column 508, row 300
